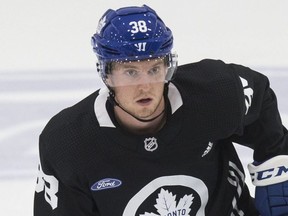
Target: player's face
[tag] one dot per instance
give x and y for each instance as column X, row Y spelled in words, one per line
column 139, row 86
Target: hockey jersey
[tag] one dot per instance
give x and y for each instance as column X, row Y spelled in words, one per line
column 90, row 166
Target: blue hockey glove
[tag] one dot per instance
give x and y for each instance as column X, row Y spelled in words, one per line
column 272, row 200
column 271, row 181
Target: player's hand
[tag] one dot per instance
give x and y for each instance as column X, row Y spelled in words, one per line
column 272, row 200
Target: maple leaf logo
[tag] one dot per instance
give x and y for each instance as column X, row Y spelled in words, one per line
column 166, row 204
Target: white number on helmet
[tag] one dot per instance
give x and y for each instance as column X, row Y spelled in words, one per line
column 138, row 26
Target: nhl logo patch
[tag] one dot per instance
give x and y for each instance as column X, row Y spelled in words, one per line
column 150, row 144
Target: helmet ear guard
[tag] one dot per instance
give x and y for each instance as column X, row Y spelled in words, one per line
column 132, row 34
column 172, row 63
column 103, row 70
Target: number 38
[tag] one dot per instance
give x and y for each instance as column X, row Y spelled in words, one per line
column 138, row 26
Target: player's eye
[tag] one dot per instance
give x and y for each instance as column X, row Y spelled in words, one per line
column 154, row 70
column 131, row 73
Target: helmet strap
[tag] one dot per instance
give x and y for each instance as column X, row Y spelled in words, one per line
column 113, row 101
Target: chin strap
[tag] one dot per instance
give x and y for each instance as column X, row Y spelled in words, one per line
column 115, row 103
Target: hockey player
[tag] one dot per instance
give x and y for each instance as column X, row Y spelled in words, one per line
column 155, row 142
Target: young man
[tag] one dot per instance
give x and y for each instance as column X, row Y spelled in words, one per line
column 156, row 142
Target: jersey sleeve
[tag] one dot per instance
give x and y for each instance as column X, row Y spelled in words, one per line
column 58, row 193
column 262, row 128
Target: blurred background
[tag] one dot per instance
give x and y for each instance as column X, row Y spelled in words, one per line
column 47, row 64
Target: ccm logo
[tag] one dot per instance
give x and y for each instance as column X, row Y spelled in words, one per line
column 269, row 173
column 107, row 183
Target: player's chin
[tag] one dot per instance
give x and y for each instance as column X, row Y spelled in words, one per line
column 145, row 113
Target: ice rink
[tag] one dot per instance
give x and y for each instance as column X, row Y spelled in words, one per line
column 46, row 64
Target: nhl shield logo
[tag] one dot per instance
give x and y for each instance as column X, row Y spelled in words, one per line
column 150, row 144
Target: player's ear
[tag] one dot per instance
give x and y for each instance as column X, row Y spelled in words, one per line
column 110, row 80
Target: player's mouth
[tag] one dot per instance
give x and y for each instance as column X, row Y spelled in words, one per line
column 144, row 101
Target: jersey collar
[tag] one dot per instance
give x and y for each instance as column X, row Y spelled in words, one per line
column 103, row 117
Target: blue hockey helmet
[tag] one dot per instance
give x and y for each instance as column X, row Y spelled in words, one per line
column 132, row 34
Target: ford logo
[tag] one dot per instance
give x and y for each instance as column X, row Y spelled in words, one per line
column 107, row 183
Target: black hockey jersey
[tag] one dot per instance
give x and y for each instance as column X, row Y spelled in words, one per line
column 90, row 166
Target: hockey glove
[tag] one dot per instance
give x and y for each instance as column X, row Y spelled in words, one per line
column 271, row 181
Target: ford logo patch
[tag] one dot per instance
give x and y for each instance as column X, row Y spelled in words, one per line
column 106, row 183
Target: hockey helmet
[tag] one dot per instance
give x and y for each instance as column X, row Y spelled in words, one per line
column 132, row 34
